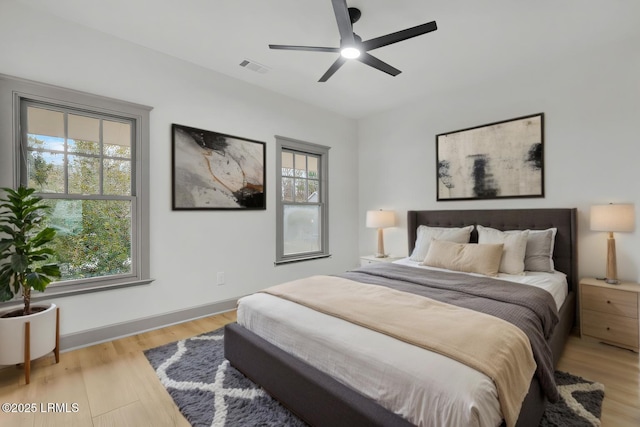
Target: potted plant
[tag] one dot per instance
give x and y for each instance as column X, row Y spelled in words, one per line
column 27, row 332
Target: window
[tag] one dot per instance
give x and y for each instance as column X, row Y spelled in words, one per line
column 302, row 217
column 87, row 157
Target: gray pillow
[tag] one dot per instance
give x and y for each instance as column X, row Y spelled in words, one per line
column 539, row 253
column 425, row 234
column 515, row 245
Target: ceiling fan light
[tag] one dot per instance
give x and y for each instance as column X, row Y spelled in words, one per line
column 350, row 52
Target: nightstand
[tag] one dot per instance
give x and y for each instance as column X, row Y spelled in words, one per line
column 609, row 313
column 372, row 259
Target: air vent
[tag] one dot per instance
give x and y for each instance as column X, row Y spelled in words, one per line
column 254, row 66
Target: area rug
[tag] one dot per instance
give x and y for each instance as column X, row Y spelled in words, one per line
column 210, row 392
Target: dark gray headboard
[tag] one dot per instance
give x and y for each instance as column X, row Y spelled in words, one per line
column 565, row 254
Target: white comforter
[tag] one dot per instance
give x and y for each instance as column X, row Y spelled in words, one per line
column 424, row 387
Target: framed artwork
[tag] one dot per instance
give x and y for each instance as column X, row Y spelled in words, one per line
column 212, row 170
column 497, row 160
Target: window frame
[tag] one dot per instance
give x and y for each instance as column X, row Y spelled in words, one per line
column 18, row 91
column 322, row 152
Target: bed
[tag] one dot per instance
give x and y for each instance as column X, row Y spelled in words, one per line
column 309, row 391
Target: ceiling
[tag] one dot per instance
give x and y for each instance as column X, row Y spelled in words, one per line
column 475, row 40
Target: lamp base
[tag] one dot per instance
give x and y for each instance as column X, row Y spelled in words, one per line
column 380, row 253
column 612, row 266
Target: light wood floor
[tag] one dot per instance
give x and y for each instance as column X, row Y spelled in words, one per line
column 114, row 385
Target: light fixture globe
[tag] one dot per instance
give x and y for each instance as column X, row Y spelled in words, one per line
column 351, row 49
column 350, row 52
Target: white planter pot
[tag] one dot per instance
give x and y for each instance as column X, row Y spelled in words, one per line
column 43, row 335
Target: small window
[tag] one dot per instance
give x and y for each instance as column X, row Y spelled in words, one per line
column 302, row 219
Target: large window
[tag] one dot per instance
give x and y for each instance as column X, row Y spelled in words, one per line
column 302, row 219
column 87, row 157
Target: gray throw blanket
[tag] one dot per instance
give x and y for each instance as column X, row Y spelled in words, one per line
column 531, row 309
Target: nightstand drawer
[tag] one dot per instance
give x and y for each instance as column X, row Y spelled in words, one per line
column 612, row 301
column 610, row 328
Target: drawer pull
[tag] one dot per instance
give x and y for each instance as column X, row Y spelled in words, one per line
column 608, row 302
column 608, row 328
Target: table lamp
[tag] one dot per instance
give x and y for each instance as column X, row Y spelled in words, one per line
column 612, row 218
column 380, row 220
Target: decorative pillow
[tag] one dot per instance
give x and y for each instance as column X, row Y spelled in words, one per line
column 515, row 247
column 466, row 257
column 539, row 254
column 425, row 234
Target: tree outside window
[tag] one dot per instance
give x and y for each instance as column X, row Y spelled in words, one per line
column 81, row 164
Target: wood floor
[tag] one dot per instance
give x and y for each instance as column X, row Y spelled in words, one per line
column 112, row 384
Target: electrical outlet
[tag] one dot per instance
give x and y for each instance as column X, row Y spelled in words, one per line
column 220, row 278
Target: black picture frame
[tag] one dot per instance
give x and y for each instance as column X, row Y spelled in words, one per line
column 216, row 171
column 498, row 160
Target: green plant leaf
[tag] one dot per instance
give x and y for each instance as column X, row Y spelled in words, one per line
column 5, row 292
column 7, row 230
column 52, row 270
column 44, row 236
column 37, row 281
column 19, row 263
column 43, row 251
column 5, row 244
column 7, row 279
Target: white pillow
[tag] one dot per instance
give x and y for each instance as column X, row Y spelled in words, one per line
column 425, row 234
column 466, row 257
column 539, row 254
column 515, row 247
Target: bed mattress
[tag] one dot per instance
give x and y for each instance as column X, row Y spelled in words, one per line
column 424, row 387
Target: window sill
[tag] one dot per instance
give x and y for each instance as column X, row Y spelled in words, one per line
column 309, row 258
column 71, row 290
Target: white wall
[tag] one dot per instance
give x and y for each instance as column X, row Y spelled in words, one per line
column 591, row 102
column 187, row 248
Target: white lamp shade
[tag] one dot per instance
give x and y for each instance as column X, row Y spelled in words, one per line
column 612, row 218
column 380, row 219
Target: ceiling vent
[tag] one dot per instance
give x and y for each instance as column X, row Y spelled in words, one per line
column 254, row 66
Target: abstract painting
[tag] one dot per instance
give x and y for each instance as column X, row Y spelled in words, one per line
column 213, row 170
column 498, row 160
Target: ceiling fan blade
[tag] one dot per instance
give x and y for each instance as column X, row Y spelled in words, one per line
column 305, row 48
column 344, row 21
column 334, row 67
column 374, row 62
column 399, row 36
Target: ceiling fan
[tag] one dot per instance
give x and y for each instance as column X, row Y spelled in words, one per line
column 352, row 46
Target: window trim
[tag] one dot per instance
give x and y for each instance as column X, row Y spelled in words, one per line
column 12, row 92
column 322, row 152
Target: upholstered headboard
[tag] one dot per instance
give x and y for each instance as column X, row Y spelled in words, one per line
column 565, row 255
